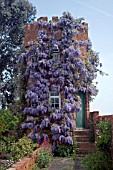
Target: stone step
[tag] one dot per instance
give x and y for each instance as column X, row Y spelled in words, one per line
column 80, row 132
column 85, row 147
column 86, row 151
column 78, row 156
column 82, row 138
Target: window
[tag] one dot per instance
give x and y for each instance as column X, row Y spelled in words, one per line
column 56, row 56
column 55, row 53
column 55, row 100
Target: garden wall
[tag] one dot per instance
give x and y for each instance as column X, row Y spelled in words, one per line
column 28, row 163
column 95, row 118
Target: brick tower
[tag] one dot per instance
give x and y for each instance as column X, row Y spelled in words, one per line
column 31, row 32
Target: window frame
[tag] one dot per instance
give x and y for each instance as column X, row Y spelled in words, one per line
column 55, row 56
column 55, row 97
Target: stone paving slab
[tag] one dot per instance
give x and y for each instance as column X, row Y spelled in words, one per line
column 66, row 164
column 62, row 164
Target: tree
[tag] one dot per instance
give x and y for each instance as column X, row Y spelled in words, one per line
column 66, row 74
column 14, row 15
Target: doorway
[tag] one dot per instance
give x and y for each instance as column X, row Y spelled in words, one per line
column 80, row 117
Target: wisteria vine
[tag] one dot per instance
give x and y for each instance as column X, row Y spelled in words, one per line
column 67, row 74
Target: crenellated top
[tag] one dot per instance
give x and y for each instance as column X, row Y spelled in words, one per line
column 31, row 31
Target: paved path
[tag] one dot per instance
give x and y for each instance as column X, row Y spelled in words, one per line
column 78, row 165
column 66, row 164
column 59, row 163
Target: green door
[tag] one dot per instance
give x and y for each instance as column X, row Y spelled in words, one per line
column 80, row 117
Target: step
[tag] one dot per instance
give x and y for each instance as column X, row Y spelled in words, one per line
column 85, row 147
column 85, row 151
column 82, row 138
column 81, row 132
column 79, row 156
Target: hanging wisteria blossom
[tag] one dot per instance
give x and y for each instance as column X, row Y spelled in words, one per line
column 65, row 74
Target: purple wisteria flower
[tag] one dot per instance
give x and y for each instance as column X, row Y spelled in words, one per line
column 55, row 128
column 45, row 123
column 69, row 140
column 55, row 137
column 23, row 125
column 32, row 136
column 54, row 116
column 67, row 75
column 62, row 138
column 30, row 119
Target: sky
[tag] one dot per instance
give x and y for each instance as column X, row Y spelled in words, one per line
column 99, row 16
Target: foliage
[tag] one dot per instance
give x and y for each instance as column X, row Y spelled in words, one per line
column 10, row 131
column 8, row 121
column 14, row 15
column 67, row 74
column 44, row 158
column 66, row 150
column 6, row 165
column 6, row 142
column 97, row 161
column 102, row 159
column 8, row 124
column 23, row 147
column 104, row 136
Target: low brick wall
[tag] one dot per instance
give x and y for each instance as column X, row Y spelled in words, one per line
column 28, row 163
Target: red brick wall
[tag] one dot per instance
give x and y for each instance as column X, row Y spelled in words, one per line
column 83, row 36
column 26, row 163
column 87, row 109
column 31, row 31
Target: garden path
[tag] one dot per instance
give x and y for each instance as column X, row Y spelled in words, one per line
column 66, row 164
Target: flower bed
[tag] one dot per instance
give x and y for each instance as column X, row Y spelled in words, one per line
column 26, row 163
column 29, row 162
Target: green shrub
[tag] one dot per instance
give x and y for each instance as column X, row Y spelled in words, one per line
column 102, row 159
column 35, row 167
column 24, row 147
column 104, row 137
column 8, row 121
column 66, row 150
column 6, row 142
column 44, row 158
column 99, row 161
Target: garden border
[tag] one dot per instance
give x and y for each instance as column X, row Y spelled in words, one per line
column 27, row 162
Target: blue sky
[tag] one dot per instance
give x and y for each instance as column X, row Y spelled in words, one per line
column 99, row 15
